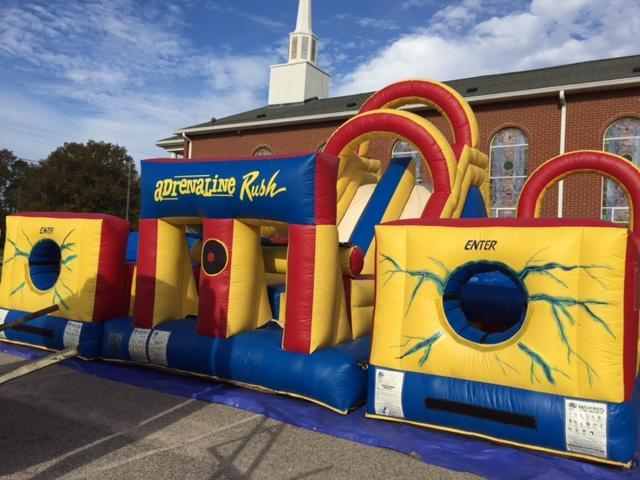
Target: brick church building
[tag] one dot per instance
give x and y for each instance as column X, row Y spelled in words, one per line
column 525, row 118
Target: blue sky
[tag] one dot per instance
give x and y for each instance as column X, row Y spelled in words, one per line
column 133, row 71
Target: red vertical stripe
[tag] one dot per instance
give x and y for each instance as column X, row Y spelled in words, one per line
column 146, row 273
column 326, row 177
column 631, row 301
column 112, row 297
column 213, row 308
column 300, row 277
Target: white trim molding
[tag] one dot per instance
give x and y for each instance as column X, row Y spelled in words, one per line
column 506, row 96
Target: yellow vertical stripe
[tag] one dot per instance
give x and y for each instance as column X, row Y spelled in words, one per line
column 175, row 292
column 248, row 306
column 330, row 324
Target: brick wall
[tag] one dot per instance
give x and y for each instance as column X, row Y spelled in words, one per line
column 588, row 115
column 280, row 140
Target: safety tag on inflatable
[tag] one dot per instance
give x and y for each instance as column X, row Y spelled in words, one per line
column 3, row 317
column 71, row 336
column 138, row 345
column 388, row 394
column 158, row 347
column 585, row 427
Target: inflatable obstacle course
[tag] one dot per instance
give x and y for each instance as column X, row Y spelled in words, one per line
column 294, row 274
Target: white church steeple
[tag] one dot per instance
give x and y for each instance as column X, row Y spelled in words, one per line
column 305, row 20
column 302, row 42
column 300, row 78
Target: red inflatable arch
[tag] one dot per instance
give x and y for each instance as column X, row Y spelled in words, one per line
column 554, row 170
column 437, row 154
column 450, row 104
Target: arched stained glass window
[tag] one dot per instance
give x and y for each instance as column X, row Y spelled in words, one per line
column 622, row 138
column 509, row 154
column 405, row 149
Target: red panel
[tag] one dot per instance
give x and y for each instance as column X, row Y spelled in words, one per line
column 631, row 316
column 440, row 97
column 326, row 195
column 383, row 122
column 356, row 261
column 146, row 273
column 300, row 276
column 582, row 161
column 213, row 307
column 112, row 295
column 196, row 276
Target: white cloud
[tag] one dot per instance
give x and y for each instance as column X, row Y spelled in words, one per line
column 114, row 71
column 474, row 37
column 368, row 22
column 407, row 4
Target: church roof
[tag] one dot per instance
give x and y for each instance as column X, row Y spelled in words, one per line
column 607, row 73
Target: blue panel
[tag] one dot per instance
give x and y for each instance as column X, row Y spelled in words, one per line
column 44, row 264
column 48, row 331
column 546, row 412
column 132, row 247
column 276, row 189
column 362, row 235
column 333, row 376
column 274, row 292
column 474, row 205
column 485, row 302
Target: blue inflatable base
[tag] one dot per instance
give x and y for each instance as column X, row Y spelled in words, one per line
column 455, row 452
column 334, row 377
column 56, row 333
column 503, row 413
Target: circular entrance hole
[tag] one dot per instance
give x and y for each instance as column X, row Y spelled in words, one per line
column 44, row 264
column 485, row 302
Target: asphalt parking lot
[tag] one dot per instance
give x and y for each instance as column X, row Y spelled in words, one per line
column 60, row 423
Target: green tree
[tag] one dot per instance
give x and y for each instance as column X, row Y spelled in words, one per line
column 77, row 177
column 12, row 174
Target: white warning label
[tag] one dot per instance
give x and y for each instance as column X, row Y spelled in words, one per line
column 585, row 426
column 138, row 345
column 71, row 336
column 158, row 347
column 3, row 317
column 388, row 394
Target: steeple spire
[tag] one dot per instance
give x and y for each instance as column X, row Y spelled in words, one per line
column 303, row 44
column 300, row 78
column 305, row 20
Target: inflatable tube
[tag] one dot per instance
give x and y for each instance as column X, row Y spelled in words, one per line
column 625, row 173
column 454, row 108
column 333, row 377
column 439, row 158
column 53, row 333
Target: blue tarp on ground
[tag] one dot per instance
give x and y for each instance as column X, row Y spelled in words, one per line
column 450, row 451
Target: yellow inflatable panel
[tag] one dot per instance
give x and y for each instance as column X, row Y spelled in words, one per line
column 70, row 260
column 570, row 341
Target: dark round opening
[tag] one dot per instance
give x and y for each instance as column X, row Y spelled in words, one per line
column 44, row 264
column 485, row 302
column 214, row 257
